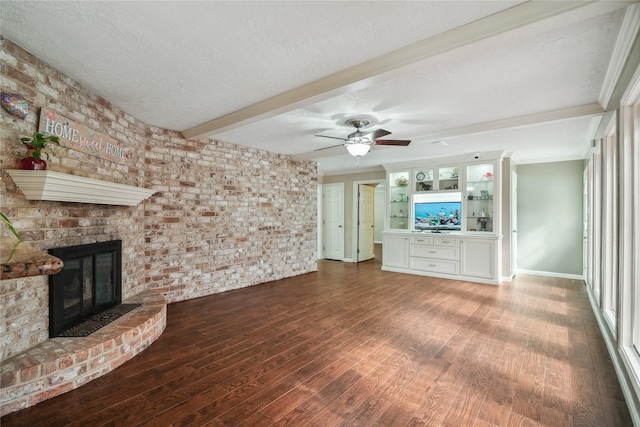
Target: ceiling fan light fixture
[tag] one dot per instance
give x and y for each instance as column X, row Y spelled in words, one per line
column 358, row 149
column 359, row 143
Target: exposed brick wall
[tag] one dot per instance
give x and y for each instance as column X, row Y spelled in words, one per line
column 224, row 217
column 44, row 224
column 227, row 217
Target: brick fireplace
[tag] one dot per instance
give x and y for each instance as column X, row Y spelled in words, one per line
column 223, row 217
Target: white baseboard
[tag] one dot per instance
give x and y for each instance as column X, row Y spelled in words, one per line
column 347, row 260
column 616, row 359
column 551, row 274
column 442, row 275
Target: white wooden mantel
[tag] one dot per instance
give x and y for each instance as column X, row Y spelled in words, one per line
column 61, row 187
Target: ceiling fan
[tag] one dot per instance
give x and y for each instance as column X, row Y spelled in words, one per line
column 359, row 143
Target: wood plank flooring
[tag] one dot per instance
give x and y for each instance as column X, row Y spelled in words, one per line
column 352, row 345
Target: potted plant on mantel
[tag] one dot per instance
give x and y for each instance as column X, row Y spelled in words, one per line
column 36, row 146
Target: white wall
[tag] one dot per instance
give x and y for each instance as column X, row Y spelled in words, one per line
column 550, row 217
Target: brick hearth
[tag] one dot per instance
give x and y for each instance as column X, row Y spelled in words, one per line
column 59, row 364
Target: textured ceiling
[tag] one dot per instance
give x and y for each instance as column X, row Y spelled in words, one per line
column 178, row 65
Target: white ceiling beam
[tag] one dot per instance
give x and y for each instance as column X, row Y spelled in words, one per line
column 512, row 122
column 368, row 72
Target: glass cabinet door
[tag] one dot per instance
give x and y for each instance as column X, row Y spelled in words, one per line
column 399, row 195
column 479, row 204
column 423, row 180
column 448, row 178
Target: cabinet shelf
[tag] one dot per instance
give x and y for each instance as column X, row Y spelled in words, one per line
column 398, row 200
column 480, row 204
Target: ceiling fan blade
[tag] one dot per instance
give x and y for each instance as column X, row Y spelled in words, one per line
column 332, row 137
column 378, row 133
column 326, row 148
column 397, row 142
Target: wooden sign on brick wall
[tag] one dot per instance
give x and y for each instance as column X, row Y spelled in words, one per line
column 80, row 138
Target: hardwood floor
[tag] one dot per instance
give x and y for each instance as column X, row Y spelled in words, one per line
column 352, row 345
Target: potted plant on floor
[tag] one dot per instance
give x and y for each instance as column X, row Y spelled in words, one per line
column 36, row 146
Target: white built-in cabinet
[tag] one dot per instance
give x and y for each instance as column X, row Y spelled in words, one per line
column 478, row 257
column 395, row 250
column 462, row 245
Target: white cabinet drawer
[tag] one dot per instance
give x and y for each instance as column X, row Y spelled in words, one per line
column 434, row 252
column 422, row 240
column 446, row 241
column 435, row 265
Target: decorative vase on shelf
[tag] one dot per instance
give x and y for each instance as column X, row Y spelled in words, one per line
column 402, row 181
column 31, row 162
column 35, row 150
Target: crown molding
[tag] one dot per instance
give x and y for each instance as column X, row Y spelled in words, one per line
column 632, row 93
column 352, row 171
column 437, row 161
column 550, row 160
column 621, row 50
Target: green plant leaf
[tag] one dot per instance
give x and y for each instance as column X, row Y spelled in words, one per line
column 14, row 248
column 39, row 142
column 10, row 225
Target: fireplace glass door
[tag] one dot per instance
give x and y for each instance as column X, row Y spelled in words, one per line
column 89, row 283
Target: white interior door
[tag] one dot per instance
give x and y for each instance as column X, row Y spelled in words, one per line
column 366, row 222
column 334, row 221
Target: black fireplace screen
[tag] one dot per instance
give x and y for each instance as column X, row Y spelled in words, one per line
column 89, row 283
